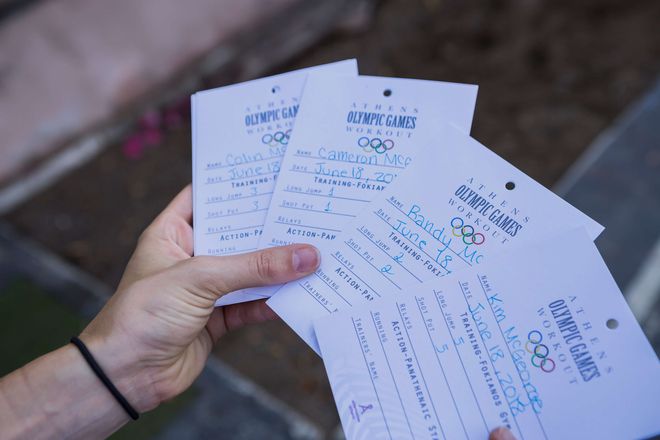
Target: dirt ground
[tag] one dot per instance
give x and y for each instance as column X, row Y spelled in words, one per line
column 552, row 75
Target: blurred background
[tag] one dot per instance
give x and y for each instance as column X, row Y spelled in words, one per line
column 95, row 140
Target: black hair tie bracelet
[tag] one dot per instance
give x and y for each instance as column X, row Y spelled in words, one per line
column 104, row 378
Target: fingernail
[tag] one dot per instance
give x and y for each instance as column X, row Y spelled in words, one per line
column 305, row 259
column 502, row 433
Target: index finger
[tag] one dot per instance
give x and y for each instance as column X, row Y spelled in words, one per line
column 181, row 205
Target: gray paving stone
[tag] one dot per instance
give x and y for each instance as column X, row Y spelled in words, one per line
column 617, row 182
column 217, row 413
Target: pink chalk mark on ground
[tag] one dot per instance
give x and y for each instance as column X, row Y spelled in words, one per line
column 152, row 128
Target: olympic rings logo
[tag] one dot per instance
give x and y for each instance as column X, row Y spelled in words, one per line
column 376, row 144
column 279, row 137
column 466, row 232
column 540, row 352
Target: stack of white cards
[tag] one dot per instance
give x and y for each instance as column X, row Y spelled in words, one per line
column 455, row 293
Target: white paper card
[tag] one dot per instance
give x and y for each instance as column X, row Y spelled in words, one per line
column 240, row 133
column 350, row 142
column 448, row 211
column 540, row 341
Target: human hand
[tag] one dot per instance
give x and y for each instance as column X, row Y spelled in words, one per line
column 501, row 433
column 166, row 241
column 154, row 335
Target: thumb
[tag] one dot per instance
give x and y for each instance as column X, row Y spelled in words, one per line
column 212, row 277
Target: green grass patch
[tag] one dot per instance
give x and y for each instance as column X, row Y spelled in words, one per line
column 152, row 422
column 31, row 324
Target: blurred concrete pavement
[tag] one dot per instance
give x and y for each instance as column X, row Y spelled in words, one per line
column 617, row 182
column 70, row 70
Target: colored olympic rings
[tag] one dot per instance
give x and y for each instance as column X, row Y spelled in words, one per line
column 376, row 144
column 540, row 352
column 279, row 137
column 466, row 232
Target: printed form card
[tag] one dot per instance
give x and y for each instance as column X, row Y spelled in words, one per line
column 454, row 208
column 353, row 137
column 540, row 341
column 240, row 133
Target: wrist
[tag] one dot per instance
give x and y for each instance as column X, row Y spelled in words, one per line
column 126, row 371
column 58, row 395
